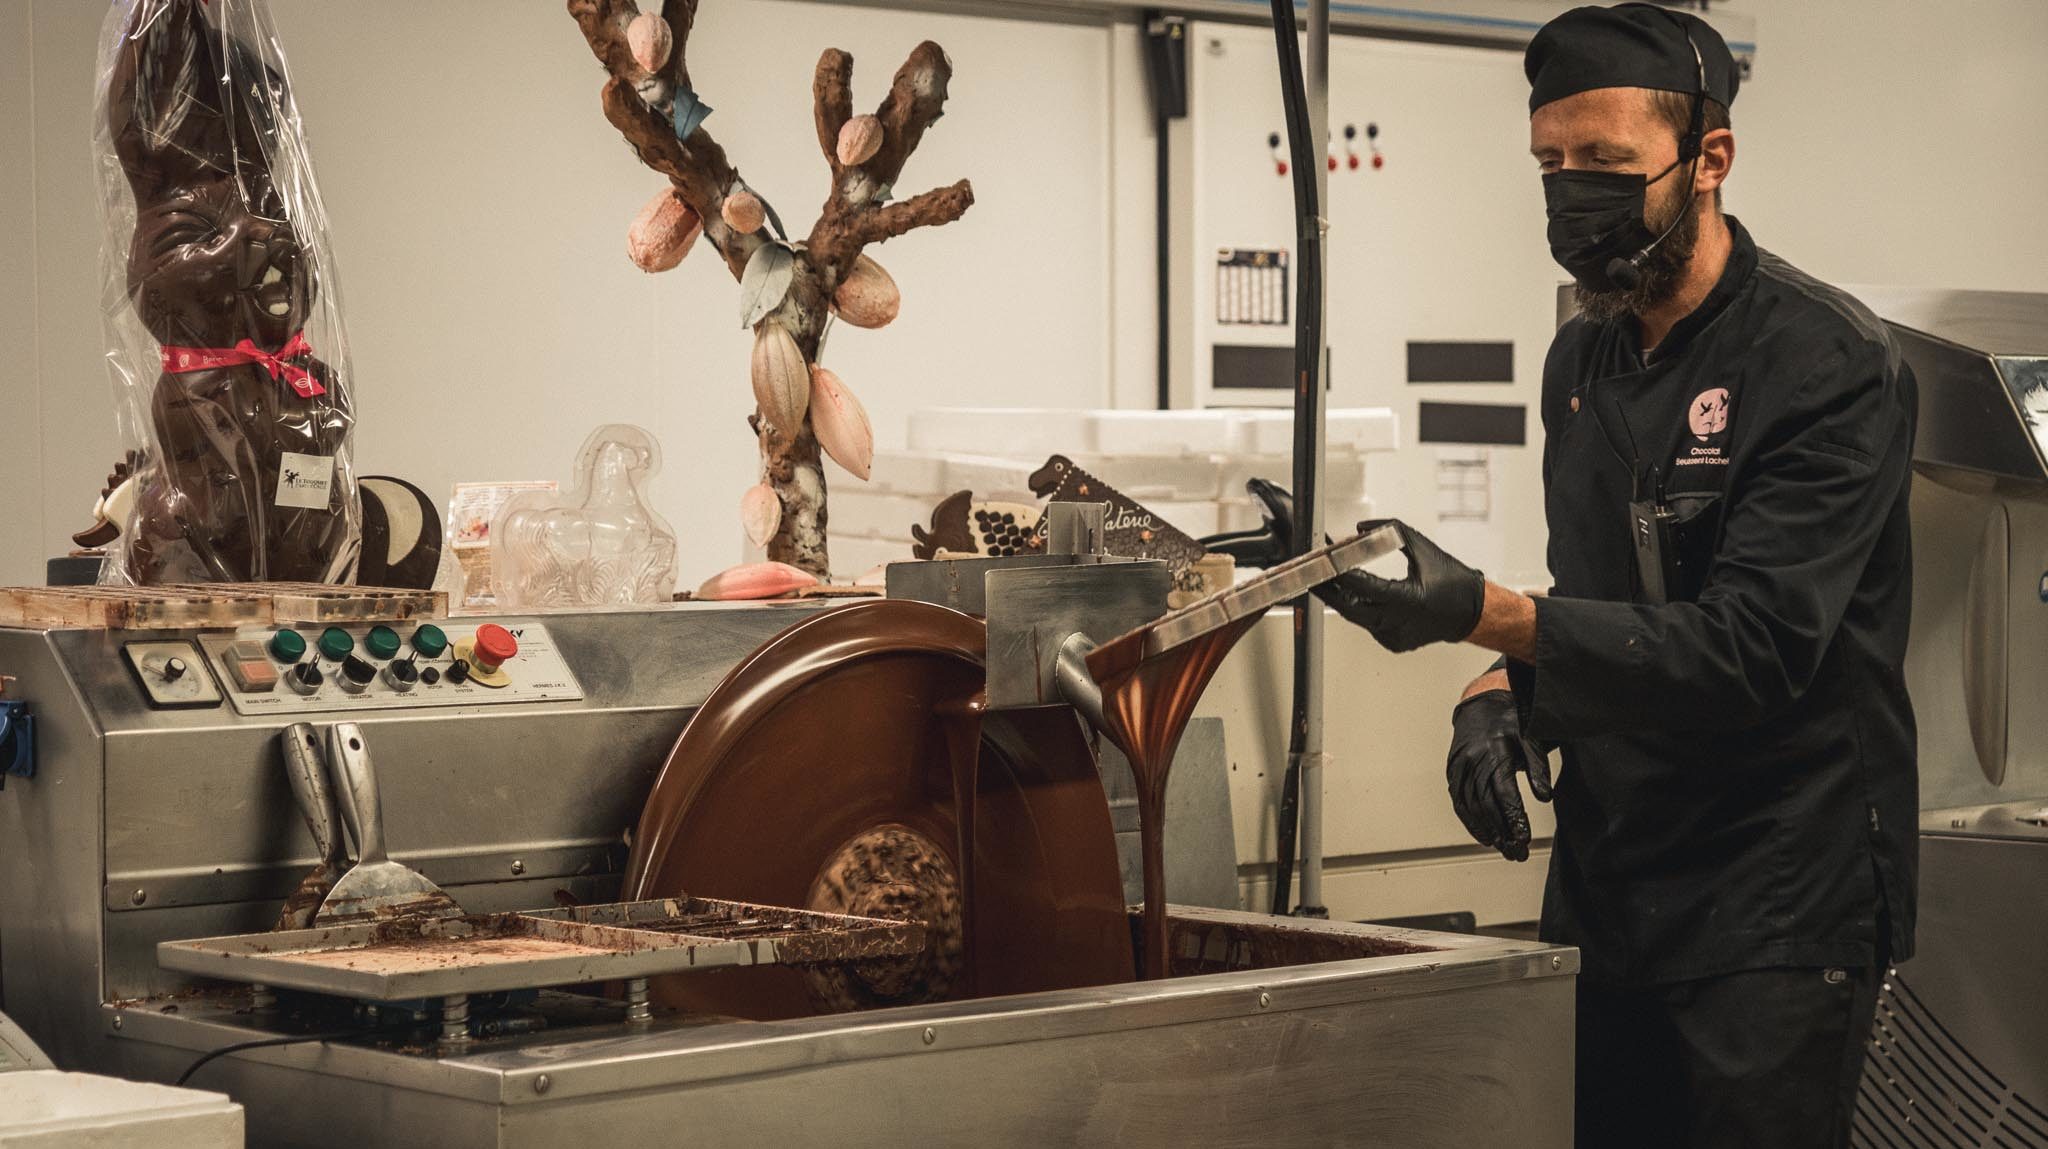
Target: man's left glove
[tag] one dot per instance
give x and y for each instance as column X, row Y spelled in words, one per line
column 1487, row 749
column 1439, row 601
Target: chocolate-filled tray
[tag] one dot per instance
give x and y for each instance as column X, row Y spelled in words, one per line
column 415, row 958
column 1289, row 580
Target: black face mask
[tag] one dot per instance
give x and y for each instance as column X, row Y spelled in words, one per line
column 1597, row 218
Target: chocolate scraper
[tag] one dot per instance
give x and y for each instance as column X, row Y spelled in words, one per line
column 305, row 766
column 377, row 888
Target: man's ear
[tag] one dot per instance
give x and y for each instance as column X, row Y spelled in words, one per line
column 163, row 96
column 1717, row 158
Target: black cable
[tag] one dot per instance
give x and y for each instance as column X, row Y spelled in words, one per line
column 1163, row 241
column 1306, row 157
column 266, row 1042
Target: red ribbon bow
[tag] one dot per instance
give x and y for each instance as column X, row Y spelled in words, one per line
column 179, row 360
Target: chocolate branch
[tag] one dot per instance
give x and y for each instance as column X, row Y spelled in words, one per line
column 640, row 100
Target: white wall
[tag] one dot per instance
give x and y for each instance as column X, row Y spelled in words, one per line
column 1897, row 141
column 479, row 206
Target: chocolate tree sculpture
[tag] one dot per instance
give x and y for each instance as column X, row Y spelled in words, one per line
column 247, row 475
column 790, row 290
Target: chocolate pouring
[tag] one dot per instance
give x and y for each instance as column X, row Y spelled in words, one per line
column 1152, row 677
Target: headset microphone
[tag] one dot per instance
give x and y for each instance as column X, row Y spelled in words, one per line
column 1627, row 274
column 1624, row 273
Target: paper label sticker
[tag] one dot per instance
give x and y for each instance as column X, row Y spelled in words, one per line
column 305, row 481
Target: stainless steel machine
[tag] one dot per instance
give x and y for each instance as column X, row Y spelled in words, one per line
column 153, row 818
column 1960, row 1056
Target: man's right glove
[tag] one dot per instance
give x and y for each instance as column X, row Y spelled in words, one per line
column 1487, row 747
column 1441, row 600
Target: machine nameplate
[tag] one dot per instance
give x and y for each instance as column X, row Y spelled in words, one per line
column 538, row 673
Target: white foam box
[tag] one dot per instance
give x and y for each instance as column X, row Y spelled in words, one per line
column 853, row 556
column 1145, row 477
column 1343, row 473
column 1359, row 428
column 878, row 514
column 907, row 472
column 51, row 1109
column 1193, row 518
column 1029, row 432
column 992, row 478
column 1339, row 515
column 1212, row 431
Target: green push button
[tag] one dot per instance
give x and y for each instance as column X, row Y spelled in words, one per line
column 335, row 644
column 381, row 642
column 430, row 641
column 288, row 645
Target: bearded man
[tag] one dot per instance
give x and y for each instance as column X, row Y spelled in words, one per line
column 1726, row 465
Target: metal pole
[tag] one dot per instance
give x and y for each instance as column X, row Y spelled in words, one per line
column 1312, row 757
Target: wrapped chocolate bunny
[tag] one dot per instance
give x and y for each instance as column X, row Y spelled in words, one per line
column 225, row 329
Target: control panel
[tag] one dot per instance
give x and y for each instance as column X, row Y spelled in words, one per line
column 292, row 670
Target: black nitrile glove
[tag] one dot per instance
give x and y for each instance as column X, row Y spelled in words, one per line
column 1487, row 748
column 1271, row 543
column 1439, row 601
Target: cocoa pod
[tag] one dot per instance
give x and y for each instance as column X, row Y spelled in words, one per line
column 782, row 380
column 866, row 296
column 663, row 233
column 859, row 139
column 841, row 424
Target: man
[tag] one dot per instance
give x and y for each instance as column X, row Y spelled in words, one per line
column 1726, row 462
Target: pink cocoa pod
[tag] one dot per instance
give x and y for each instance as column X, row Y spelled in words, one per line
column 782, row 380
column 859, row 139
column 866, row 296
column 663, row 233
column 755, row 580
column 760, row 513
column 649, row 39
column 841, row 424
column 743, row 212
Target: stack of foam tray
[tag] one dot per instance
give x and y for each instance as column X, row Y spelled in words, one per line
column 1188, row 466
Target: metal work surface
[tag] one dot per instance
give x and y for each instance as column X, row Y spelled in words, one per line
column 144, row 825
column 436, row 957
column 1441, row 1040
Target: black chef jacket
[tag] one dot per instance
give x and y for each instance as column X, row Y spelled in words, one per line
column 1738, row 787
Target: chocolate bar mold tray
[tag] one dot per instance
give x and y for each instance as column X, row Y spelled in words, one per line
column 424, row 958
column 1288, row 580
column 181, row 606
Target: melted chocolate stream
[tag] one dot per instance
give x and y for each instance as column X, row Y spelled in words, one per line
column 1146, row 703
column 960, row 721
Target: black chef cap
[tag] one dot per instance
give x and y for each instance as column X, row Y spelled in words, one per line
column 1627, row 46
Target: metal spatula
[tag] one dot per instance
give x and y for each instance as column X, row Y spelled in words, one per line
column 306, row 768
column 377, row 887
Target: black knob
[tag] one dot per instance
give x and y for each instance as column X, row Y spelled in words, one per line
column 174, row 670
column 358, row 670
column 458, row 671
column 305, row 678
column 430, row 675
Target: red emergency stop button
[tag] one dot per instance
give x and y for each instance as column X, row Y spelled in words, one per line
column 494, row 646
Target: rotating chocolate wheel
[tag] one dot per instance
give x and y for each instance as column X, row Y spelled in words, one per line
column 820, row 774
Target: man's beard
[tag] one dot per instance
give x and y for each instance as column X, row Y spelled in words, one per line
column 1661, row 270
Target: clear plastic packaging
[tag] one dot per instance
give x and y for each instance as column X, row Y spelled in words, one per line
column 224, row 326
column 599, row 544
